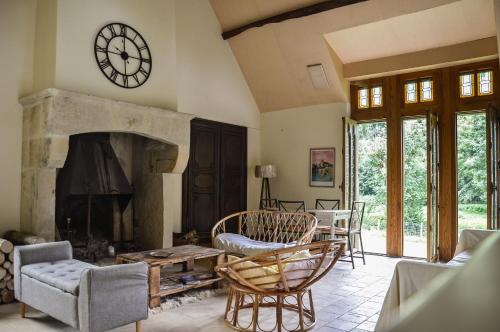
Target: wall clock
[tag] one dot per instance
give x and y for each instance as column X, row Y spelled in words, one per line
column 123, row 55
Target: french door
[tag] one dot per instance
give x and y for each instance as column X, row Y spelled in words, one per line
column 494, row 166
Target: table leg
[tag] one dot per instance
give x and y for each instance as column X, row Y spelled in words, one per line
column 188, row 265
column 154, row 286
column 219, row 260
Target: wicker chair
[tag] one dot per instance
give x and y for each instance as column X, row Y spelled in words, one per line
column 268, row 226
column 285, row 287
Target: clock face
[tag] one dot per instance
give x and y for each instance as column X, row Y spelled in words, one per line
column 123, row 55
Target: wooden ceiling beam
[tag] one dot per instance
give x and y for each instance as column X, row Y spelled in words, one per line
column 297, row 13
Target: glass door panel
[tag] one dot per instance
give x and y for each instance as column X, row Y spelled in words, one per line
column 471, row 171
column 415, row 187
column 372, row 181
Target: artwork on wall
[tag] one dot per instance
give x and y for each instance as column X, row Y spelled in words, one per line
column 322, row 167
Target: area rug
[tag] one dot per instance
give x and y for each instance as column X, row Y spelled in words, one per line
column 185, row 298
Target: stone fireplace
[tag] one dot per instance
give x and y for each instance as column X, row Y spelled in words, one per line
column 150, row 144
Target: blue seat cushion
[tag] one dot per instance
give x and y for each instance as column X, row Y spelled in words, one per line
column 64, row 275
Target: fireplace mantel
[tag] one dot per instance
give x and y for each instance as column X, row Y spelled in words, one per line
column 51, row 116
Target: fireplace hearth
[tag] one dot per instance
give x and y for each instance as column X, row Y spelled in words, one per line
column 120, row 146
column 92, row 194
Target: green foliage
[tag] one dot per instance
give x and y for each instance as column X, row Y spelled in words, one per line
column 471, row 161
column 415, row 175
column 372, row 172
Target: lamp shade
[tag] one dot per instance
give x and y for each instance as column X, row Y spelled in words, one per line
column 265, row 171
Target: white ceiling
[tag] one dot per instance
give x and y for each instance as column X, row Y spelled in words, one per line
column 445, row 25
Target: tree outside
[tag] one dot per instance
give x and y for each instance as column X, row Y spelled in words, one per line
column 372, row 179
column 471, row 171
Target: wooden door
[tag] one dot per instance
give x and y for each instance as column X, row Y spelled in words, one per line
column 201, row 179
column 493, row 167
column 233, row 194
column 215, row 180
column 432, row 187
column 350, row 167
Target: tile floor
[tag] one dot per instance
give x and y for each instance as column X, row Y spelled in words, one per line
column 345, row 300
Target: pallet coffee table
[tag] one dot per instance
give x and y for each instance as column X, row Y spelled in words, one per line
column 187, row 255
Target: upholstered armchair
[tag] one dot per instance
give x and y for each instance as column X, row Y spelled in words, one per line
column 84, row 296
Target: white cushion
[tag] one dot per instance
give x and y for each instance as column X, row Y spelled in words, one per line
column 242, row 245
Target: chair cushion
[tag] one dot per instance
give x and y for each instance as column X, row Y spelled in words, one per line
column 262, row 276
column 64, row 275
column 461, row 258
column 242, row 245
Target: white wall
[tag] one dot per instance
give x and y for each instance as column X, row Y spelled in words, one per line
column 194, row 70
column 287, row 136
column 17, row 28
column 78, row 22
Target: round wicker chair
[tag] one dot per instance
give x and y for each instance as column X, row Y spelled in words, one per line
column 279, row 281
column 269, row 226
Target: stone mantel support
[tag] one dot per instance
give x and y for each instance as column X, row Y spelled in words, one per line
column 51, row 116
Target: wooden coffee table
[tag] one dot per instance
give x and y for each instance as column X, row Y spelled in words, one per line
column 187, row 255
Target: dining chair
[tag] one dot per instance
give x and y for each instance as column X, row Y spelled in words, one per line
column 268, row 204
column 327, row 204
column 292, row 206
column 353, row 229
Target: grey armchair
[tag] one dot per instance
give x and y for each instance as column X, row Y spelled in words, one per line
column 84, row 296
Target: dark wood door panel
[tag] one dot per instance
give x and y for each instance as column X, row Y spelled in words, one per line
column 215, row 180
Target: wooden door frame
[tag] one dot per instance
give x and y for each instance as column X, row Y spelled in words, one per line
column 446, row 103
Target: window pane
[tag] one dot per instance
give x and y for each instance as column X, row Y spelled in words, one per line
column 363, row 98
column 377, row 96
column 466, row 85
column 410, row 92
column 426, row 90
column 485, row 83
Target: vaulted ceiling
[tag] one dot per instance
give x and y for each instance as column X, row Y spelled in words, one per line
column 274, row 57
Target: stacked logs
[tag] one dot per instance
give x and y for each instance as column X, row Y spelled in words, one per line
column 6, row 271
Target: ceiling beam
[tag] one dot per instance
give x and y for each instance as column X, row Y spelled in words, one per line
column 297, row 13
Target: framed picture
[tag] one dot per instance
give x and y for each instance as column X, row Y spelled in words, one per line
column 322, row 167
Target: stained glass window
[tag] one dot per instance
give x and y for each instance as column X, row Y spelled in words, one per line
column 363, row 98
column 484, row 83
column 410, row 92
column 426, row 90
column 466, row 85
column 377, row 96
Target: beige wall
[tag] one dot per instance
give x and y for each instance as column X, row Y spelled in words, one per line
column 194, row 71
column 17, row 23
column 288, row 135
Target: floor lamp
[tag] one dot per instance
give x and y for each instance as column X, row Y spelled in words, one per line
column 265, row 172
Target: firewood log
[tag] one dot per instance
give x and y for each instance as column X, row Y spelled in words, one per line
column 11, row 269
column 3, row 272
column 23, row 238
column 6, row 246
column 7, row 296
column 3, row 284
column 11, row 257
column 7, row 277
column 2, row 258
column 6, row 265
column 10, row 284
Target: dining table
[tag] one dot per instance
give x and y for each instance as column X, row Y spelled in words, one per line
column 330, row 218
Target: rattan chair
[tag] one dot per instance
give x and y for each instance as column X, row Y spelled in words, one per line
column 269, row 226
column 292, row 206
column 327, row 204
column 284, row 291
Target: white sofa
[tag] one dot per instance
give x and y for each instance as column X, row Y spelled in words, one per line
column 411, row 277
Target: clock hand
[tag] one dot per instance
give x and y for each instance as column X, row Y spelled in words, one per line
column 125, row 63
column 130, row 56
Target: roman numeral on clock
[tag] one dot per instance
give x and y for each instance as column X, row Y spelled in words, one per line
column 125, row 80
column 114, row 75
column 123, row 30
column 111, row 29
column 101, row 49
column 104, row 63
column 136, row 78
column 143, row 71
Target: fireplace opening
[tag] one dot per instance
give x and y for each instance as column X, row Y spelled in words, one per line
column 92, row 194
